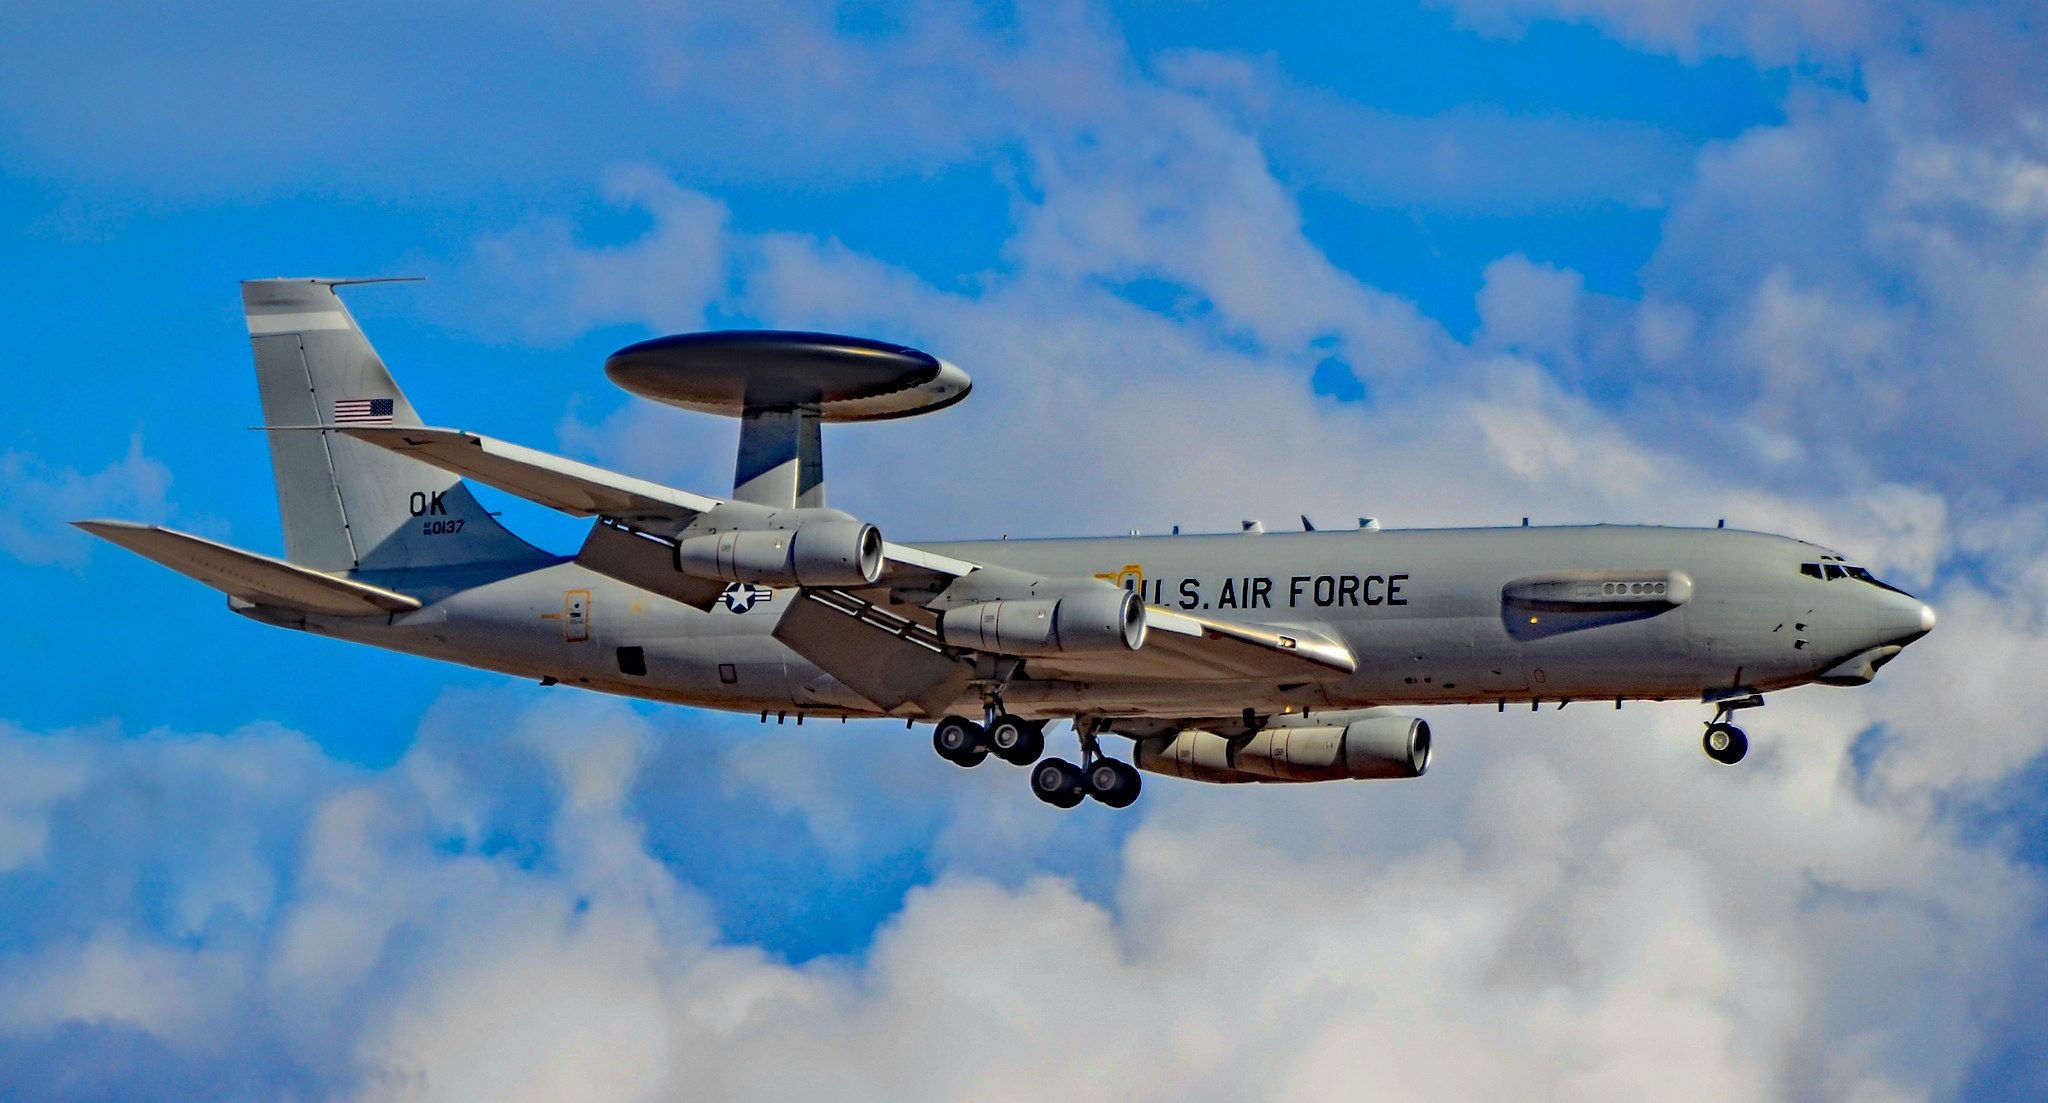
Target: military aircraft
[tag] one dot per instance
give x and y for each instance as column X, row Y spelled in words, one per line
column 1235, row 657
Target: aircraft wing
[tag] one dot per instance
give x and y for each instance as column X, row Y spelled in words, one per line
column 571, row 486
column 1181, row 646
column 257, row 579
column 891, row 652
column 586, row 490
column 1233, row 646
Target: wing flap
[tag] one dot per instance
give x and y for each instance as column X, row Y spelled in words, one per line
column 646, row 561
column 259, row 579
column 877, row 654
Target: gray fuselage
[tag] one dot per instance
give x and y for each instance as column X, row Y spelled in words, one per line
column 1423, row 610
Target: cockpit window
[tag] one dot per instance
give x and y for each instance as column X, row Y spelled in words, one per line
column 1861, row 575
column 1831, row 569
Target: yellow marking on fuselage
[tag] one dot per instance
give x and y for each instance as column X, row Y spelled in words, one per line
column 1134, row 573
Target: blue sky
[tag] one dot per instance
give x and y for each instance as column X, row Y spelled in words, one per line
column 1449, row 264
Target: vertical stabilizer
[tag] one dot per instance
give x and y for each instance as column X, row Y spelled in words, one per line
column 347, row 505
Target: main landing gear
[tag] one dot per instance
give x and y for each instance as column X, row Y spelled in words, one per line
column 1062, row 784
column 1724, row 742
column 1020, row 742
column 1013, row 739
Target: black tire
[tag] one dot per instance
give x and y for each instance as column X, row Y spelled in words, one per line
column 1725, row 743
column 1114, row 783
column 960, row 741
column 1057, row 782
column 1016, row 740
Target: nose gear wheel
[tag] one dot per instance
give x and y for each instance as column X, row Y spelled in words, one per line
column 1724, row 742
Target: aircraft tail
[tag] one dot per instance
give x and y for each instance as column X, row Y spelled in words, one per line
column 347, row 505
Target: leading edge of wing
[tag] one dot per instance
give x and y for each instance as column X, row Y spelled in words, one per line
column 570, row 486
column 587, row 490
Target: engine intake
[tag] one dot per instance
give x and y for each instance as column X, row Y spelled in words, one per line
column 1373, row 747
column 817, row 553
column 1104, row 619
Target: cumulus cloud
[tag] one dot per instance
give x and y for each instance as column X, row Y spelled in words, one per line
column 536, row 282
column 578, row 898
column 1530, row 307
column 41, row 499
column 1777, row 932
column 1534, row 922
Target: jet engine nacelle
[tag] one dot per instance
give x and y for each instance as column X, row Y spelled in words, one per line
column 1100, row 619
column 1388, row 746
column 814, row 553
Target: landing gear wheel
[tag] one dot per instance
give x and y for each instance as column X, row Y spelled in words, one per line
column 1725, row 743
column 1016, row 740
column 1057, row 782
column 960, row 741
column 1113, row 783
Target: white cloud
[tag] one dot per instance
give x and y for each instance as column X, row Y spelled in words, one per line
column 1470, row 158
column 1530, row 307
column 1777, row 33
column 1590, row 912
column 536, row 282
column 1599, row 914
column 42, row 499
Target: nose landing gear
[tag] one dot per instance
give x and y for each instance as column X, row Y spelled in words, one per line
column 1724, row 742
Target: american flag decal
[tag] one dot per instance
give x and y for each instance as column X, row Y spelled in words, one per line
column 362, row 411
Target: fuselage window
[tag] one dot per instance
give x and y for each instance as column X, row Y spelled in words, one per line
column 1810, row 570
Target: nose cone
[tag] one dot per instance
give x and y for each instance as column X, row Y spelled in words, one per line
column 1904, row 619
column 1885, row 627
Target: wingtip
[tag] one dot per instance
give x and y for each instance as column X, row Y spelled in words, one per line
column 95, row 524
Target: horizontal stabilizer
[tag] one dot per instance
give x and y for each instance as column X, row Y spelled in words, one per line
column 258, row 579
